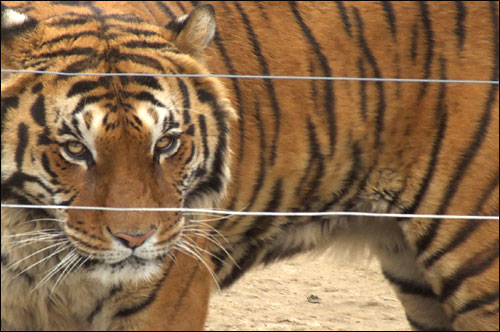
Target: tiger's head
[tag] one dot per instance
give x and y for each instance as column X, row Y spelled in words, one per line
column 112, row 141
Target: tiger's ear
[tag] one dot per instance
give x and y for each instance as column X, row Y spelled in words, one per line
column 195, row 31
column 16, row 28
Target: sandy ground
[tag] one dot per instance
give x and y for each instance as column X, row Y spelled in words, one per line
column 352, row 297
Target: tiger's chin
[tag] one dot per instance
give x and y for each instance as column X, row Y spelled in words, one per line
column 130, row 270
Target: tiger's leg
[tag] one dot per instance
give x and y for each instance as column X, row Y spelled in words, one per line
column 460, row 261
column 421, row 304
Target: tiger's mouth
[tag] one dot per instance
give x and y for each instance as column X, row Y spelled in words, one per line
column 131, row 260
column 130, row 269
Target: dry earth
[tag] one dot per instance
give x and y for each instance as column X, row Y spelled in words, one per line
column 351, row 297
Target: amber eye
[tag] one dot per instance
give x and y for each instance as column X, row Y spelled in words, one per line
column 165, row 144
column 75, row 149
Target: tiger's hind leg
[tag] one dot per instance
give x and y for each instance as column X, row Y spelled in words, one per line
column 449, row 281
column 423, row 309
column 460, row 258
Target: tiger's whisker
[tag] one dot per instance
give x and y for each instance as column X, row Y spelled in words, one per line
column 188, row 251
column 210, row 238
column 13, row 265
column 55, row 269
column 213, row 231
column 27, row 242
column 72, row 263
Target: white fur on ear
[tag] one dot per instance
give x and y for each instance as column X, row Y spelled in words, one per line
column 198, row 30
column 11, row 18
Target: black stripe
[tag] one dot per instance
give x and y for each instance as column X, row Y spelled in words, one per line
column 67, row 22
column 18, row 179
column 83, row 86
column 460, row 28
column 22, row 134
column 409, row 287
column 70, row 52
column 362, row 92
column 146, row 96
column 145, row 33
column 262, row 160
column 318, row 159
column 391, row 17
column 67, row 202
column 268, row 83
column 186, row 102
column 414, row 43
column 38, row 110
column 46, row 166
column 262, row 10
column 147, row 81
column 65, row 129
column 190, row 131
column 262, row 224
column 466, row 230
column 356, row 167
column 329, row 93
column 486, row 194
column 98, row 306
column 188, row 160
column 460, row 237
column 344, row 17
column 244, row 263
column 140, row 59
column 8, row 103
column 471, row 268
column 87, row 100
column 146, row 44
column 179, row 4
column 213, row 182
column 441, row 116
column 81, row 66
column 124, row 18
column 380, row 86
column 150, row 299
column 484, row 300
column 314, row 87
column 429, row 36
column 76, row 128
column 204, row 135
column 164, row 8
column 228, row 62
column 71, row 36
column 37, row 88
column 44, row 137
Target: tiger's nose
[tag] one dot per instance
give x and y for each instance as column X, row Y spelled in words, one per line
column 133, row 240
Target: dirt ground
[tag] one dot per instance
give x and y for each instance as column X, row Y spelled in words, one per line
column 352, row 297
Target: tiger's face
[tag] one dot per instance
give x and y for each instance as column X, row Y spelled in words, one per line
column 127, row 141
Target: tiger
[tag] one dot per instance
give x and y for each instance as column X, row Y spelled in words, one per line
column 195, row 140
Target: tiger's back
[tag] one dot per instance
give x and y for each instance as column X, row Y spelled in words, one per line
column 323, row 145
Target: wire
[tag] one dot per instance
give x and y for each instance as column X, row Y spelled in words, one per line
column 251, row 213
column 274, row 77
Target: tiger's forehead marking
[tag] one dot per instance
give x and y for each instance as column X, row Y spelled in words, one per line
column 157, row 120
column 89, row 126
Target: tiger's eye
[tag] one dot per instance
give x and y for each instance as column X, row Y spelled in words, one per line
column 75, row 148
column 164, row 143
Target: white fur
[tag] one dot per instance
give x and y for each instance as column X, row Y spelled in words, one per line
column 11, row 18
